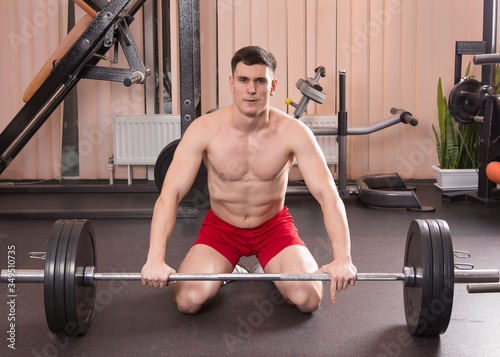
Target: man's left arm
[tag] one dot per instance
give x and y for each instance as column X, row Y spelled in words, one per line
column 319, row 181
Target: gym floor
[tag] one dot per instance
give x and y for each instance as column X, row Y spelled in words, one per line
column 245, row 318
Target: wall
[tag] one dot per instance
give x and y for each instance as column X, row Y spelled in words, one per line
column 394, row 51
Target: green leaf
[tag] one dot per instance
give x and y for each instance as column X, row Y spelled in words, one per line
column 467, row 71
column 438, row 147
column 470, row 134
column 441, row 103
column 451, row 144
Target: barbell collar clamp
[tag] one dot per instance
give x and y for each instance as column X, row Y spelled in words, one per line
column 38, row 255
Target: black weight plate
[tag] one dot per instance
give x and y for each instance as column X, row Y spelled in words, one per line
column 436, row 306
column 448, row 275
column 463, row 108
column 60, row 275
column 198, row 194
column 418, row 254
column 79, row 299
column 49, row 271
column 163, row 162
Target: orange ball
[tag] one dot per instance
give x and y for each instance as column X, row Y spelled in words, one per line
column 493, row 171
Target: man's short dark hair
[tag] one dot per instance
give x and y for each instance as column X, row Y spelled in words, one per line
column 251, row 55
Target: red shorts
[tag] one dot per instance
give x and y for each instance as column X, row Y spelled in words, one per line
column 264, row 241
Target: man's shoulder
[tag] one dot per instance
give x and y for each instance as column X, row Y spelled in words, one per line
column 279, row 113
column 285, row 120
column 209, row 123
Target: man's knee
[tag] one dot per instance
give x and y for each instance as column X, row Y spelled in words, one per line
column 305, row 296
column 190, row 297
column 310, row 302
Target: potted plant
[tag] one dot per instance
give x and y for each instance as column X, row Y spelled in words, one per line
column 457, row 148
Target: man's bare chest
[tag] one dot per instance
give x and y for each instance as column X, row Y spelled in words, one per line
column 248, row 160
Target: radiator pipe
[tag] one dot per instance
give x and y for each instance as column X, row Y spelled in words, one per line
column 111, row 165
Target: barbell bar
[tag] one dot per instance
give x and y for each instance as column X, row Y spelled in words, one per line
column 428, row 277
column 477, row 276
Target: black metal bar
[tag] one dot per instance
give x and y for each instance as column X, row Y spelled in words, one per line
column 105, row 74
column 485, row 186
column 189, row 61
column 342, row 138
column 466, row 48
column 129, row 48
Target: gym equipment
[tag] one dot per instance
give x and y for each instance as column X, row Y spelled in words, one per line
column 483, row 288
column 198, row 194
column 70, row 277
column 311, row 90
column 109, row 27
column 389, row 190
column 189, row 62
column 384, row 190
column 472, row 100
column 463, row 101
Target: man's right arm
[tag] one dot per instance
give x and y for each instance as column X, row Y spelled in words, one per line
column 178, row 181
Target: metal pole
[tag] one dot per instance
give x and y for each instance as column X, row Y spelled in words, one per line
column 342, row 138
column 251, row 276
column 476, row 276
column 22, row 276
column 189, row 64
column 461, row 276
column 483, row 288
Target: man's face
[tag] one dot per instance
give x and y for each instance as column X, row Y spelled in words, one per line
column 251, row 87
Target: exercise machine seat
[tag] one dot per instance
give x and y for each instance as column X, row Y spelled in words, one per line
column 59, row 52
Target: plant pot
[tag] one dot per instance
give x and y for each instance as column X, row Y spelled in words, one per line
column 456, row 179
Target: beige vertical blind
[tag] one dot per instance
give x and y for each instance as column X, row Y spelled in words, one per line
column 30, row 32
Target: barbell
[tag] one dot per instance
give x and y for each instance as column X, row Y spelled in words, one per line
column 428, row 276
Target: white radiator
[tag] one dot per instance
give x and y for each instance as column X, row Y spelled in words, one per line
column 138, row 139
column 327, row 143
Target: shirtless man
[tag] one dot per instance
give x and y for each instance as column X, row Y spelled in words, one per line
column 248, row 149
